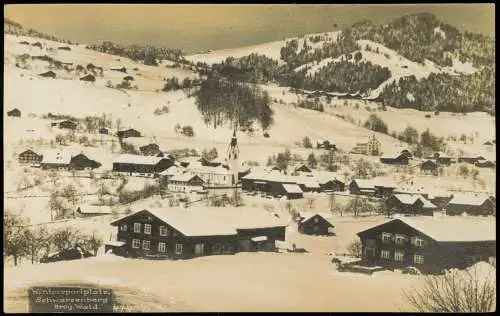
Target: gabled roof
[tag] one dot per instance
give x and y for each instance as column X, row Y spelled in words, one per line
column 469, row 199
column 213, row 221
column 29, row 151
column 375, row 182
column 309, row 182
column 172, row 170
column 292, row 188
column 56, row 157
column 138, row 159
column 326, row 176
column 395, row 155
column 185, row 177
column 449, row 228
column 410, row 199
column 306, row 216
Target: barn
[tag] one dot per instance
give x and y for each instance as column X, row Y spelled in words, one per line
column 471, row 204
column 410, row 204
column 128, row 133
column 14, row 112
column 422, row 242
column 93, row 210
column 179, row 233
column 66, row 124
column 429, row 167
column 141, row 165
column 82, row 162
column 55, row 159
column 314, row 224
column 395, row 159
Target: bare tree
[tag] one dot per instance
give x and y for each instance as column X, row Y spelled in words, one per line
column 38, row 239
column 354, row 248
column 15, row 243
column 93, row 243
column 456, row 292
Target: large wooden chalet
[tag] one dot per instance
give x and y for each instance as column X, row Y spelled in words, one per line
column 430, row 244
column 65, row 124
column 141, row 165
column 55, row 159
column 29, row 157
column 180, row 233
column 471, row 205
column 395, row 159
column 410, row 204
column 128, row 133
column 272, row 183
column 372, row 187
column 185, row 182
column 429, row 167
column 82, row 162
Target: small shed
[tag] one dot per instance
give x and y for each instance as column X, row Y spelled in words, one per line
column 103, row 130
column 14, row 112
column 88, row 77
column 292, row 191
column 92, row 210
column 429, row 166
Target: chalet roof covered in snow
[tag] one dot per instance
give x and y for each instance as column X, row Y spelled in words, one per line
column 173, row 170
column 376, row 182
column 215, row 221
column 309, row 182
column 305, row 216
column 410, row 199
column 469, row 199
column 184, row 177
column 326, row 176
column 210, row 170
column 56, row 157
column 292, row 188
column 138, row 159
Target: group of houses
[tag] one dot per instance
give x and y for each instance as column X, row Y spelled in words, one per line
column 57, row 159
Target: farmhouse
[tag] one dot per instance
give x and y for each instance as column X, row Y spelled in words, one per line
column 395, row 159
column 48, row 74
column 141, row 165
column 328, row 181
column 185, row 182
column 429, row 167
column 55, row 159
column 92, row 210
column 409, row 204
column 301, row 169
column 471, row 205
column 271, row 182
column 306, row 183
column 82, row 162
column 292, row 191
column 14, row 113
column 151, row 149
column 314, row 224
column 88, row 77
column 441, row 158
column 373, row 187
column 128, row 133
column 178, row 233
column 29, row 157
column 422, row 242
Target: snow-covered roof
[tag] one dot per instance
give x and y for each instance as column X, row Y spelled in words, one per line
column 454, row 228
column 292, row 188
column 94, row 209
column 183, row 177
column 305, row 216
column 208, row 169
column 325, row 176
column 412, row 198
column 173, row 170
column 138, row 159
column 56, row 157
column 309, row 182
column 216, row 221
column 468, row 199
column 115, row 243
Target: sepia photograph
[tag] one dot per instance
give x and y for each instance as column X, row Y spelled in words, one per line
column 249, row 158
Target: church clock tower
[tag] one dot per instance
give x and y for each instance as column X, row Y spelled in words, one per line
column 233, row 158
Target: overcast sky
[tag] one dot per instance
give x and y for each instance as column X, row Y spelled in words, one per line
column 198, row 27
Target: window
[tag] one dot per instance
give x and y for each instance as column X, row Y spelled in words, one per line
column 371, row 242
column 227, row 248
column 136, row 243
column 146, row 244
column 123, row 227
column 217, row 248
column 417, row 241
column 163, row 230
column 147, row 229
column 398, row 255
column 386, row 237
column 178, row 249
column 162, row 247
column 137, row 227
column 418, row 259
column 385, row 254
column 400, row 239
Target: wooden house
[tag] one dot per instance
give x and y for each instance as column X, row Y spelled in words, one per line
column 103, row 131
column 372, row 187
column 141, row 165
column 326, row 145
column 328, row 181
column 272, row 183
column 48, row 74
column 410, row 204
column 314, row 224
column 128, row 133
column 92, row 210
column 429, row 167
column 151, row 149
column 128, row 78
column 407, row 153
column 307, row 183
column 219, row 176
column 55, row 159
column 14, row 113
column 29, row 157
column 441, row 158
column 471, row 205
column 179, row 233
column 185, row 182
column 82, row 162
column 291, row 190
column 66, row 124
column 88, row 78
column 395, row 159
column 431, row 244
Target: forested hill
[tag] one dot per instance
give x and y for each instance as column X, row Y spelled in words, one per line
column 391, row 63
column 14, row 28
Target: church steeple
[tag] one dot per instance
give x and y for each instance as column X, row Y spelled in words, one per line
column 233, row 156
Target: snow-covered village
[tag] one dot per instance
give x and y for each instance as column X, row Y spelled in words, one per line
column 345, row 167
